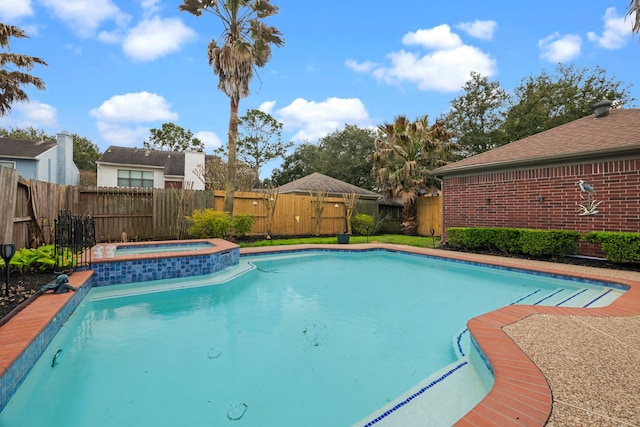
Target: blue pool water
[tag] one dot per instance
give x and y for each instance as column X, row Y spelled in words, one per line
column 316, row 340
column 127, row 250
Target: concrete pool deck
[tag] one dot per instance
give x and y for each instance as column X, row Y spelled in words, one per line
column 553, row 366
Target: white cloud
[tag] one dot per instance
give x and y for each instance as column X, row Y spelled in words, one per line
column 134, row 107
column 124, row 136
column 154, row 38
column 479, row 29
column 439, row 37
column 616, row 31
column 36, row 114
column 150, row 7
column 11, row 10
column 31, row 114
column 360, row 67
column 210, row 140
column 445, row 67
column 443, row 70
column 312, row 120
column 118, row 117
column 84, row 17
column 556, row 48
column 267, row 106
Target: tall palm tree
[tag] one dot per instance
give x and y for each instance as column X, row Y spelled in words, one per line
column 633, row 11
column 245, row 43
column 403, row 158
column 11, row 78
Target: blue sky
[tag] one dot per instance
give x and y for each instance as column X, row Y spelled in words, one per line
column 117, row 68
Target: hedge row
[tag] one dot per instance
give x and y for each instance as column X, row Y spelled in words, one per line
column 617, row 246
column 514, row 240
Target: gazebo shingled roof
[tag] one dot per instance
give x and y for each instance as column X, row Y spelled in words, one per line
column 334, row 187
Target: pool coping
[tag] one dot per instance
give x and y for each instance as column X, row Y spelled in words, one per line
column 520, row 395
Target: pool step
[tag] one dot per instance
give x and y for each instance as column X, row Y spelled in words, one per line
column 607, row 298
column 583, row 297
column 560, row 297
column 597, row 298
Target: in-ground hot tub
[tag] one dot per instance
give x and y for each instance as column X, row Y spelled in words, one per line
column 157, row 248
column 121, row 263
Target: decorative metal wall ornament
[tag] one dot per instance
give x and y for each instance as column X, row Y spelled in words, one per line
column 588, row 204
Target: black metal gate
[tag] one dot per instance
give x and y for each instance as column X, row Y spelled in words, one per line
column 73, row 236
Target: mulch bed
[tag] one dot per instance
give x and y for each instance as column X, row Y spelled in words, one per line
column 574, row 260
column 21, row 288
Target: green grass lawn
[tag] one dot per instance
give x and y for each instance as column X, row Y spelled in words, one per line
column 399, row 239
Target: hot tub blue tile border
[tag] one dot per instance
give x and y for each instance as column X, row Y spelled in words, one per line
column 118, row 272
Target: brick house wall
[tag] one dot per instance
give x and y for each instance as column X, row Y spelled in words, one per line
column 547, row 197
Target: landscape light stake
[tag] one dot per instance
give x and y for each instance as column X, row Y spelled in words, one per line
column 7, row 251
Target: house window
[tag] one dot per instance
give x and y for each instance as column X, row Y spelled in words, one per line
column 129, row 178
column 8, row 164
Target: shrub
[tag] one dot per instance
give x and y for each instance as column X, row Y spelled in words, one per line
column 205, row 223
column 549, row 242
column 514, row 240
column 467, row 238
column 362, row 224
column 507, row 240
column 241, row 224
column 41, row 259
column 617, row 246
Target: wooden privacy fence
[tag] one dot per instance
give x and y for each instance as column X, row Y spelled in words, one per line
column 429, row 215
column 29, row 208
column 141, row 213
column 294, row 214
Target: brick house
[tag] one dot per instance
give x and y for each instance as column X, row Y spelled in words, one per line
column 533, row 182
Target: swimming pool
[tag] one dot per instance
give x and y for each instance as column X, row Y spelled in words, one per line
column 287, row 311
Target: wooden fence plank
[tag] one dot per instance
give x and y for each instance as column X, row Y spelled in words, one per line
column 9, row 186
column 429, row 215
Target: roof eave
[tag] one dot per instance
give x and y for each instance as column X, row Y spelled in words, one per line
column 3, row 156
column 592, row 155
column 129, row 165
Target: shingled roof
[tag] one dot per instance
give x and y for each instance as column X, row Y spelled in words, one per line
column 172, row 162
column 588, row 138
column 334, row 187
column 24, row 148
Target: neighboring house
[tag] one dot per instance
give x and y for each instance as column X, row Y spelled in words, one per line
column 533, row 182
column 48, row 161
column 333, row 187
column 141, row 167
